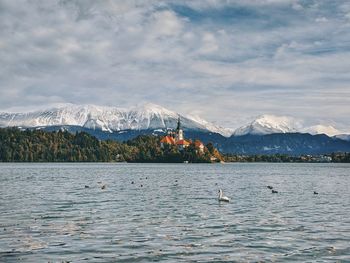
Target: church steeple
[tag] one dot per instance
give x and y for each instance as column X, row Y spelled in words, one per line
column 179, row 132
column 178, row 124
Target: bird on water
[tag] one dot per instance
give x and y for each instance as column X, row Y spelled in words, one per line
column 223, row 198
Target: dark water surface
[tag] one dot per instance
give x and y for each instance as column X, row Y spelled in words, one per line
column 46, row 213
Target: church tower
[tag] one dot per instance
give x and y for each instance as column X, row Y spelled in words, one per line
column 179, row 132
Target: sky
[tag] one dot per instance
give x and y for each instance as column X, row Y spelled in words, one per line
column 225, row 61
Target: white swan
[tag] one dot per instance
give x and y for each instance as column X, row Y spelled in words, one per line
column 222, row 197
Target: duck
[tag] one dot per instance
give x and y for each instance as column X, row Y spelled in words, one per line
column 270, row 187
column 222, row 197
column 274, row 191
column 315, row 193
column 103, row 187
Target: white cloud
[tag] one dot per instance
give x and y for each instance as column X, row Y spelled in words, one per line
column 209, row 44
column 224, row 59
column 166, row 23
column 321, row 19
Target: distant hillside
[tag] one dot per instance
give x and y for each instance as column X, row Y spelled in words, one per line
column 277, row 143
column 284, row 143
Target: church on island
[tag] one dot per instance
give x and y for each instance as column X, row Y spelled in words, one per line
column 177, row 138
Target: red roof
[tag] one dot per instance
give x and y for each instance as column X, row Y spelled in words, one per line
column 182, row 142
column 168, row 140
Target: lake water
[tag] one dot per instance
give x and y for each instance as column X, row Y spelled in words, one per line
column 47, row 214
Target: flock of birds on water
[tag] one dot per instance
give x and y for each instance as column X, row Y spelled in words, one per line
column 221, row 197
column 276, row 192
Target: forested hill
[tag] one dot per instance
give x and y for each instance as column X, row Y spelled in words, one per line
column 41, row 146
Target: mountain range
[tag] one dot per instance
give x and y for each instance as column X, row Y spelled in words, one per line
column 111, row 119
column 266, row 134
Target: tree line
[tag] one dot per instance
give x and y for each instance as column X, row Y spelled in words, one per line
column 41, row 146
column 61, row 146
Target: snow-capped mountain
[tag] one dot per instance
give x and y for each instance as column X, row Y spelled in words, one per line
column 322, row 129
column 282, row 134
column 147, row 116
column 153, row 117
column 269, row 124
column 227, row 132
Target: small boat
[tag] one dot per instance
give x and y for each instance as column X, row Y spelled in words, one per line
column 223, row 198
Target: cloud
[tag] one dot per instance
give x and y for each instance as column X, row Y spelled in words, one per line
column 223, row 60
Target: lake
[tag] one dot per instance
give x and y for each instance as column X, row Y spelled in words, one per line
column 170, row 212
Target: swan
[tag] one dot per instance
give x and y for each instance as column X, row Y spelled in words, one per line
column 222, row 197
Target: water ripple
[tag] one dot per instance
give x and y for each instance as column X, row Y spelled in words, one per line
column 47, row 213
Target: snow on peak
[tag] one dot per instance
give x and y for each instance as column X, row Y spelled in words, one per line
column 211, row 126
column 146, row 116
column 322, row 129
column 267, row 124
column 151, row 108
column 151, row 116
